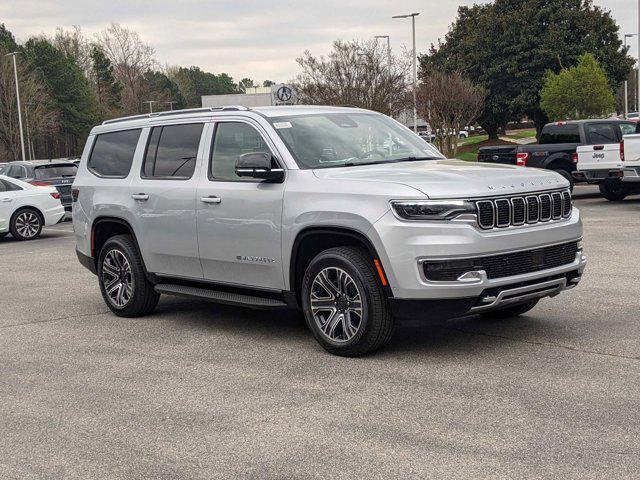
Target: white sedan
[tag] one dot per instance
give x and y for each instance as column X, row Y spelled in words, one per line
column 26, row 208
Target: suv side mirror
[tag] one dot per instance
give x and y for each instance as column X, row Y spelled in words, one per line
column 258, row 165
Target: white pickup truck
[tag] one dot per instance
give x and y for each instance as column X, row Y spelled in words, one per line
column 614, row 167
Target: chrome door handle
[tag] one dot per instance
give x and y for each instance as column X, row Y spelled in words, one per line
column 211, row 199
column 140, row 196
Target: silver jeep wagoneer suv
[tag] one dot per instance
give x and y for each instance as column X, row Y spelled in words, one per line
column 341, row 212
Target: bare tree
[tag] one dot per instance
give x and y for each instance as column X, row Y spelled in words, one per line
column 39, row 118
column 131, row 59
column 449, row 102
column 355, row 73
column 74, row 44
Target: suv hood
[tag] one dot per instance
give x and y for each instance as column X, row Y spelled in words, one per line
column 452, row 178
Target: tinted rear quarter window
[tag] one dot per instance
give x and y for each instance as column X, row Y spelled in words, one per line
column 563, row 133
column 172, row 151
column 112, row 153
column 45, row 172
column 9, row 187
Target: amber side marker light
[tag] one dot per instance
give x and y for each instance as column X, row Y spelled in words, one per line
column 383, row 279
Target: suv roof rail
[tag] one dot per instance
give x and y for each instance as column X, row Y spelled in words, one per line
column 176, row 112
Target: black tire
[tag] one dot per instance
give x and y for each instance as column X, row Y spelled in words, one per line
column 2, row 235
column 613, row 189
column 566, row 174
column 143, row 298
column 26, row 224
column 376, row 325
column 511, row 311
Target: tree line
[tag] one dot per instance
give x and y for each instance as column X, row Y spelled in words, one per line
column 499, row 62
column 69, row 83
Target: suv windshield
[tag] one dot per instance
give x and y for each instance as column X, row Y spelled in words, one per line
column 55, row 171
column 340, row 139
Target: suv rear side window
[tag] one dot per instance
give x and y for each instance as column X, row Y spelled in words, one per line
column 172, row 151
column 231, row 140
column 601, row 133
column 112, row 153
column 560, row 133
column 45, row 172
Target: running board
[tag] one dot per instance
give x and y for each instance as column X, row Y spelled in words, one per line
column 219, row 297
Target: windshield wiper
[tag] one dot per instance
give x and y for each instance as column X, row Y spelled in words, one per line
column 415, row 159
column 389, row 160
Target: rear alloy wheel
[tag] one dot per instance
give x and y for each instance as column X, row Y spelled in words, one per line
column 510, row 312
column 123, row 282
column 344, row 304
column 26, row 224
column 613, row 189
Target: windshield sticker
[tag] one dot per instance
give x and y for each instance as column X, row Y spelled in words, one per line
column 282, row 125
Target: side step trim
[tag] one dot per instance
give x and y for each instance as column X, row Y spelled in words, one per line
column 219, row 297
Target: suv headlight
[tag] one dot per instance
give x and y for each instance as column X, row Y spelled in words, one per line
column 432, row 209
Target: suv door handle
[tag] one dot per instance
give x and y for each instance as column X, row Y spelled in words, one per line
column 140, row 196
column 211, row 199
column 6, row 200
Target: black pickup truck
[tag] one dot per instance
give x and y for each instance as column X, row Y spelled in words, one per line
column 556, row 149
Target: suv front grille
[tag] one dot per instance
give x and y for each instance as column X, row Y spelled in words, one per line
column 505, row 212
column 505, row 265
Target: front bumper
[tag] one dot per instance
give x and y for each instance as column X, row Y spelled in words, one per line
column 405, row 246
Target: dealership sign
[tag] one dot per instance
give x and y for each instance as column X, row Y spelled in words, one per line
column 283, row 94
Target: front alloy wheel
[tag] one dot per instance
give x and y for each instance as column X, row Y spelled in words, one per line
column 344, row 303
column 336, row 304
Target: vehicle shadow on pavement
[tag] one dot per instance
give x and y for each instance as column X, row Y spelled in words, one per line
column 473, row 333
column 443, row 340
column 231, row 319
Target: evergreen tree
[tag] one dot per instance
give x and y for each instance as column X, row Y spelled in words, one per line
column 107, row 88
column 70, row 92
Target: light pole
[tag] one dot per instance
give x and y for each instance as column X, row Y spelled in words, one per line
column 626, row 88
column 151, row 102
column 415, row 68
column 638, row 81
column 15, row 74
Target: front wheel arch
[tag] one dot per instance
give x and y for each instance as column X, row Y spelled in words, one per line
column 313, row 240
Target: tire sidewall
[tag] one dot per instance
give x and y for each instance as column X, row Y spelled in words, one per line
column 14, row 230
column 613, row 190
column 116, row 243
column 332, row 259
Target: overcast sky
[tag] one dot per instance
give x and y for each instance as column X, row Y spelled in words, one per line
column 256, row 39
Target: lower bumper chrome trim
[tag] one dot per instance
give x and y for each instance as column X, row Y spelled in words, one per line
column 520, row 294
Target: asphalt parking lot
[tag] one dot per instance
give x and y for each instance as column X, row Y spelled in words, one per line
column 199, row 390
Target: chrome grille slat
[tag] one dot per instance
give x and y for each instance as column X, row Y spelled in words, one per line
column 517, row 210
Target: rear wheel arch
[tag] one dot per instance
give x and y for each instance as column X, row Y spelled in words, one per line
column 560, row 162
column 313, row 240
column 28, row 207
column 104, row 228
